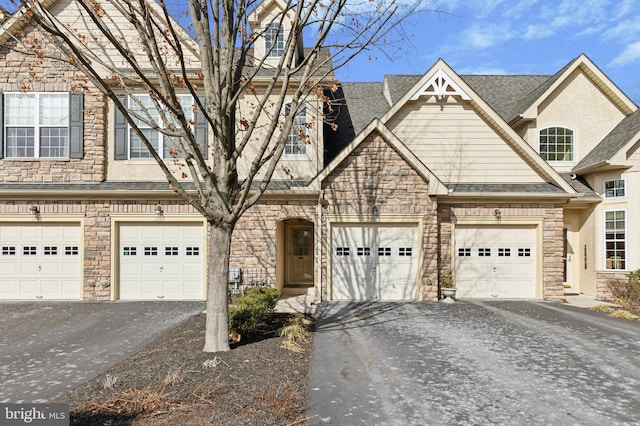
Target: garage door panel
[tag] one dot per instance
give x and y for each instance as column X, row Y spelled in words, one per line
column 495, row 261
column 374, row 261
column 35, row 259
column 161, row 261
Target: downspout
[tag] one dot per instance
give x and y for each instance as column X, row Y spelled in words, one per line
column 317, row 297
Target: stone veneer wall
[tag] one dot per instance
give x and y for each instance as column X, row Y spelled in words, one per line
column 254, row 243
column 375, row 174
column 552, row 236
column 602, row 278
column 24, row 73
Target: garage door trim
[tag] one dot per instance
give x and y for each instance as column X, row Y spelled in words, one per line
column 153, row 219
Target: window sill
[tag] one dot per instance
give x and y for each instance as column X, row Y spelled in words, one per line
column 29, row 159
column 296, row 157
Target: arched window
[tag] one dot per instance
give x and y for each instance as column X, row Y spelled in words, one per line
column 556, row 144
column 274, row 39
column 296, row 143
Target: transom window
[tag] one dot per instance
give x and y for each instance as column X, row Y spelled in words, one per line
column 149, row 123
column 36, row 125
column 614, row 188
column 556, row 144
column 296, row 143
column 274, row 39
column 615, row 239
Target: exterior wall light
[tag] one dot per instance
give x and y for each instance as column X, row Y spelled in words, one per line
column 497, row 213
column 158, row 210
column 375, row 211
column 34, row 210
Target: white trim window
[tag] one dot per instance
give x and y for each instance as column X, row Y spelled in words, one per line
column 556, row 144
column 274, row 39
column 36, row 125
column 615, row 188
column 297, row 141
column 143, row 106
column 615, row 228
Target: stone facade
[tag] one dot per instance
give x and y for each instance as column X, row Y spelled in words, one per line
column 27, row 73
column 374, row 174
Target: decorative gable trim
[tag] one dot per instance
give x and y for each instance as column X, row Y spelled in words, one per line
column 440, row 85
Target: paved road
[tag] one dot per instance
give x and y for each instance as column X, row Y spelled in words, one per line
column 47, row 348
column 481, row 362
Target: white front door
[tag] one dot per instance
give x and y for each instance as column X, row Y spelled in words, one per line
column 495, row 261
column 161, row 261
column 372, row 261
column 40, row 261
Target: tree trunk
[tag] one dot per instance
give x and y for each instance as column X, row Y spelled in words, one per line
column 217, row 328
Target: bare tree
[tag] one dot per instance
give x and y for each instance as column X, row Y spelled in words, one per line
column 247, row 100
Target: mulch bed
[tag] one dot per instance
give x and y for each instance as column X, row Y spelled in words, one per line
column 172, row 382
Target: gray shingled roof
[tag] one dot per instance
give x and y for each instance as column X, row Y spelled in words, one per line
column 399, row 85
column 580, row 185
column 366, row 102
column 276, row 184
column 504, row 92
column 505, row 187
column 613, row 142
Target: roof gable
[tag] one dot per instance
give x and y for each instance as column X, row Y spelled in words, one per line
column 527, row 108
column 436, row 187
column 454, row 86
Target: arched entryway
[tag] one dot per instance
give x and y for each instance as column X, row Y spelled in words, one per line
column 296, row 256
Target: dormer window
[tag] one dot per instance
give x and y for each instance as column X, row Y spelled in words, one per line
column 274, row 39
column 556, row 144
column 296, row 143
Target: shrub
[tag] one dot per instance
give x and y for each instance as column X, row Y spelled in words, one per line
column 252, row 309
column 626, row 292
column 295, row 332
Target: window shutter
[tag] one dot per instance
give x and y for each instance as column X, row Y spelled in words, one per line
column 1, row 125
column 76, row 109
column 120, row 132
column 201, row 134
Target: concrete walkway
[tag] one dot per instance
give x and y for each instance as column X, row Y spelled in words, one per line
column 47, row 348
column 473, row 363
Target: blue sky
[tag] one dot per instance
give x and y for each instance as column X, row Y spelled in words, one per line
column 516, row 37
column 512, row 37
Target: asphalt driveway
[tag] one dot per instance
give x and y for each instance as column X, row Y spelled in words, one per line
column 480, row 362
column 47, row 348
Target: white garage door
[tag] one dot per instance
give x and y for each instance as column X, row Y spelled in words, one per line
column 161, row 261
column 40, row 261
column 495, row 262
column 374, row 262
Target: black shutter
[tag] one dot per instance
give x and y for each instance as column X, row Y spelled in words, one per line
column 120, row 132
column 2, row 125
column 76, row 145
column 201, row 134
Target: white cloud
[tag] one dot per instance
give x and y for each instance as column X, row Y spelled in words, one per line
column 482, row 70
column 629, row 55
column 624, row 30
column 484, row 36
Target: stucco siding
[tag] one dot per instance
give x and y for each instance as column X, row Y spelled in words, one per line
column 580, row 105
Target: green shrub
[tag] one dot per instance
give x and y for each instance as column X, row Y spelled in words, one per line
column 252, row 309
column 626, row 292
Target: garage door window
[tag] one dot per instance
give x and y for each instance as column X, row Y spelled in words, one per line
column 384, row 251
column 524, row 252
column 504, row 252
column 71, row 250
column 50, row 250
column 464, row 252
column 484, row 252
column 404, row 251
column 193, row 251
column 364, row 251
column 171, row 251
column 151, row 251
column 9, row 250
column 342, row 251
column 29, row 250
